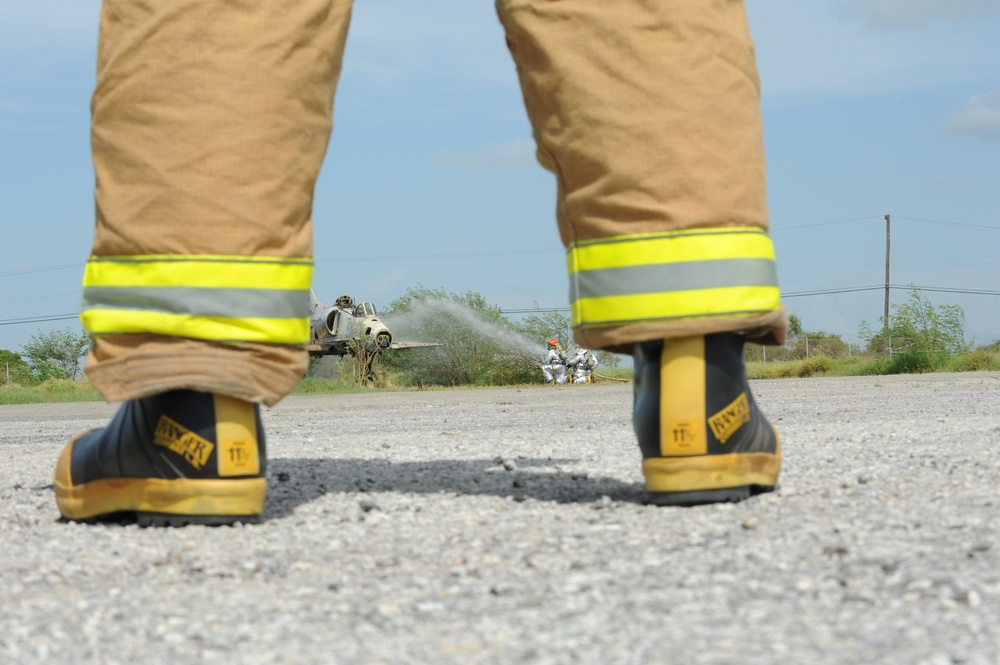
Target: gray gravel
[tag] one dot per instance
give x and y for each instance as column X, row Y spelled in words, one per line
column 507, row 526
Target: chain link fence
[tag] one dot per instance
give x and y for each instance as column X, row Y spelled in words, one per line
column 801, row 347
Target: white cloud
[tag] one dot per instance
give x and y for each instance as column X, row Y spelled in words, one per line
column 906, row 13
column 516, row 154
column 950, row 185
column 49, row 31
column 979, row 116
column 830, row 47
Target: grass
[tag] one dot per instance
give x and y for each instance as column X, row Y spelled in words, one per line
column 614, row 374
column 975, row 361
column 312, row 385
column 49, row 392
column 52, row 391
column 903, row 363
column 971, row 361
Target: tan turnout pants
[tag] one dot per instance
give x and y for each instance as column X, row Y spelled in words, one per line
column 211, row 120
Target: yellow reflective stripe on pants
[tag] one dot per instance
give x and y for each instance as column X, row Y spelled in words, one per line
column 225, row 299
column 199, row 271
column 218, row 329
column 667, row 306
column 670, row 247
column 696, row 274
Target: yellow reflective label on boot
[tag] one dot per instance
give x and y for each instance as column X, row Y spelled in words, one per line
column 682, row 398
column 175, row 437
column 236, row 431
column 725, row 423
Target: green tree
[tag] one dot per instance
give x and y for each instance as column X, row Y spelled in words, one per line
column 543, row 326
column 800, row 344
column 546, row 325
column 13, row 369
column 918, row 326
column 811, row 343
column 804, row 343
column 480, row 346
column 57, row 354
column 794, row 325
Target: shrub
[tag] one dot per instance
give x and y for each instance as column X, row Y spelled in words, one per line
column 976, row 361
column 313, row 385
column 815, row 365
column 913, row 362
column 790, row 369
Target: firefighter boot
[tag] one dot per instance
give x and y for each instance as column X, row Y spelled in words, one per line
column 178, row 458
column 702, row 436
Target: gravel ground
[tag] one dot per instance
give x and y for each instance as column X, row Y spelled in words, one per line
column 507, row 526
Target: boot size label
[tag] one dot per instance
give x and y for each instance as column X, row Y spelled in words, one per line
column 683, row 437
column 238, row 457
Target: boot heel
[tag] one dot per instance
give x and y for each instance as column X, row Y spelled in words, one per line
column 702, row 436
column 688, row 481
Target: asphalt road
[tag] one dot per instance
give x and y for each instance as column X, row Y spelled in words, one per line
column 507, row 526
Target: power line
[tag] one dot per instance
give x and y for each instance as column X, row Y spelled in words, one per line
column 545, row 310
column 524, row 252
column 823, row 292
column 979, row 292
column 53, row 295
column 965, row 225
column 29, row 271
column 894, row 287
column 836, row 221
column 349, row 259
column 533, row 311
column 438, row 257
column 533, row 251
column 39, row 319
column 960, row 224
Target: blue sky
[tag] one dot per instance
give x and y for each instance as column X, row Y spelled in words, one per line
column 871, row 107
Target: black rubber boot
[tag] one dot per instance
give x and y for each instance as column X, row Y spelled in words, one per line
column 178, row 458
column 702, row 436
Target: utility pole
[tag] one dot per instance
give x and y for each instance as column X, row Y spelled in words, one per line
column 885, row 330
